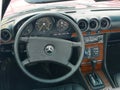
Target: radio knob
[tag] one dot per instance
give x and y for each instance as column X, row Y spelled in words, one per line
column 87, row 53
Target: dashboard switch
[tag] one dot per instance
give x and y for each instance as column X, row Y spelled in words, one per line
column 91, row 52
column 87, row 53
column 94, row 51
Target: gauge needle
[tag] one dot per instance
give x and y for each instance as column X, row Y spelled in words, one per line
column 47, row 28
column 41, row 28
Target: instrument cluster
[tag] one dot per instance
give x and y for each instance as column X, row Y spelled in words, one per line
column 47, row 26
column 51, row 26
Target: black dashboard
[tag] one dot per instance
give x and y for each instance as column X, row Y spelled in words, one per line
column 90, row 21
column 93, row 23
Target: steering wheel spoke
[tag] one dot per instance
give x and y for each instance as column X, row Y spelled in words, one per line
column 70, row 65
column 24, row 39
column 25, row 62
column 76, row 44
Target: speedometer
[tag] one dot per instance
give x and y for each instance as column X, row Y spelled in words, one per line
column 62, row 25
column 44, row 24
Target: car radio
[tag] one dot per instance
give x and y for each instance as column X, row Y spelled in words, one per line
column 93, row 39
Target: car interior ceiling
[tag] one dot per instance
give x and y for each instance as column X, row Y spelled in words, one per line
column 69, row 53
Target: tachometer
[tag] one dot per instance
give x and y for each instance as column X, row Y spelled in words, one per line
column 62, row 25
column 44, row 24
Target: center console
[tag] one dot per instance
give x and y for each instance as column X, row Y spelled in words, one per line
column 91, row 66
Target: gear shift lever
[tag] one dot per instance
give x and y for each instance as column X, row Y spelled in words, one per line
column 93, row 63
column 93, row 78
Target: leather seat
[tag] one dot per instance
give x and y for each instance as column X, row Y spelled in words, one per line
column 117, row 79
column 64, row 87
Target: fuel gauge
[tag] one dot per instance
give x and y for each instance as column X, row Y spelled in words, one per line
column 28, row 29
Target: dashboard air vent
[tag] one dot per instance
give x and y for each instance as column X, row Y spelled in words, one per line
column 83, row 24
column 105, row 23
column 94, row 24
column 5, row 35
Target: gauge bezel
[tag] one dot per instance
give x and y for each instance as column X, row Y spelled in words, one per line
column 31, row 27
column 57, row 26
column 108, row 22
column 37, row 22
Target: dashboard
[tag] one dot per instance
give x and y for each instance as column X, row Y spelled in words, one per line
column 93, row 23
column 90, row 23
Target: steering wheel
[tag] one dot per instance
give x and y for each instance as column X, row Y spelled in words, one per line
column 40, row 49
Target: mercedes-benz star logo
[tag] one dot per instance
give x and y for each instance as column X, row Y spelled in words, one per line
column 49, row 49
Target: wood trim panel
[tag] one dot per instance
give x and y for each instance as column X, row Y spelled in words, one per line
column 115, row 30
column 11, row 41
column 88, row 68
column 102, row 32
column 85, row 65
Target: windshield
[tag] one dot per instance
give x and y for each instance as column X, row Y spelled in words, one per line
column 16, row 6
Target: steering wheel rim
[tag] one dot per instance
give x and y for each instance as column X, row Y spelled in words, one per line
column 17, row 38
